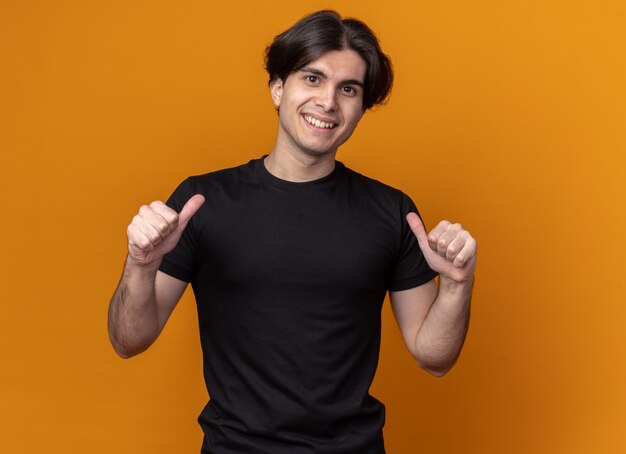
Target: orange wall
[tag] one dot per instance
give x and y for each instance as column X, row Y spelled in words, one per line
column 508, row 116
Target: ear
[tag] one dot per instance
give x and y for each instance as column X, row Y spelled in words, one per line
column 276, row 90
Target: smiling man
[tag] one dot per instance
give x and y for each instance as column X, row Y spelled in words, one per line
column 290, row 257
column 320, row 105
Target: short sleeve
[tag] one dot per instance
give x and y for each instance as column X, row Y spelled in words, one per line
column 411, row 269
column 180, row 261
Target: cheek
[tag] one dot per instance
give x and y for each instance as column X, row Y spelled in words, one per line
column 292, row 103
column 354, row 115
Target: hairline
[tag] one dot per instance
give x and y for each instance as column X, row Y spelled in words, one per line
column 355, row 36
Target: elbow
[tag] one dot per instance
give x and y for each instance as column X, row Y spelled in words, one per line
column 436, row 362
column 123, row 353
column 126, row 353
column 126, row 346
column 123, row 350
column 437, row 371
column 435, row 368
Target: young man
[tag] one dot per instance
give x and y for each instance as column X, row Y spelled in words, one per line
column 290, row 257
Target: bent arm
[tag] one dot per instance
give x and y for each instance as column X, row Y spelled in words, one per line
column 141, row 305
column 145, row 297
column 434, row 321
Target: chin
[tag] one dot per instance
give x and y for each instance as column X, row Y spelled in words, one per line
column 319, row 151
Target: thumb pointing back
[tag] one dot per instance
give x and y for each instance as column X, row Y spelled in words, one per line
column 190, row 208
column 417, row 226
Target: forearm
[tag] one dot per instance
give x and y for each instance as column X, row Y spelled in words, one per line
column 133, row 316
column 441, row 336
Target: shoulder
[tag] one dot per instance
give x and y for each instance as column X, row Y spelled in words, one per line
column 214, row 185
column 223, row 176
column 377, row 190
column 364, row 180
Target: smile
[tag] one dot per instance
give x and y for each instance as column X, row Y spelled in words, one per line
column 317, row 123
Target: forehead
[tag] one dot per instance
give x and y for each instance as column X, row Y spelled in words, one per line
column 340, row 64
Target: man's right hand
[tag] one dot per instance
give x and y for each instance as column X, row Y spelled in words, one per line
column 156, row 229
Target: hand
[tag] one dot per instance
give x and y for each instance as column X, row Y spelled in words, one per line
column 448, row 249
column 156, row 229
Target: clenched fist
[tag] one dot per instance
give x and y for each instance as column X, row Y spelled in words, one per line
column 156, row 229
column 448, row 248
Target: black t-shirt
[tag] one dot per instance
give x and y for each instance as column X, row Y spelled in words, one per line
column 289, row 280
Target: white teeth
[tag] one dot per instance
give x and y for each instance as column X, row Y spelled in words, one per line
column 317, row 123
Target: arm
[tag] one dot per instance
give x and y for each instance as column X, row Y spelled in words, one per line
column 434, row 319
column 145, row 297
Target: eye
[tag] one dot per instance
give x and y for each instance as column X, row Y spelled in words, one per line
column 349, row 90
column 311, row 79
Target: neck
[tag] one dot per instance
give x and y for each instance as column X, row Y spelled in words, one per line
column 299, row 168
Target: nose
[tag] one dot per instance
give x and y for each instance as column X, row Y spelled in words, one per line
column 326, row 99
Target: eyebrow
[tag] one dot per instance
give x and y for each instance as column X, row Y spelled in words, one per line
column 323, row 75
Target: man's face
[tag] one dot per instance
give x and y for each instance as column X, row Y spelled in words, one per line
column 321, row 104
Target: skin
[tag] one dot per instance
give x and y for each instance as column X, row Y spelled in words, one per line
column 145, row 297
column 433, row 318
column 329, row 89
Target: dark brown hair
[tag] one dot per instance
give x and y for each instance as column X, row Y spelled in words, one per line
column 323, row 31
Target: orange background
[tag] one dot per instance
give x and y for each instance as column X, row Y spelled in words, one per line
column 508, row 116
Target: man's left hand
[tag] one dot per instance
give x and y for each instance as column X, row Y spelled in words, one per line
column 448, row 248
